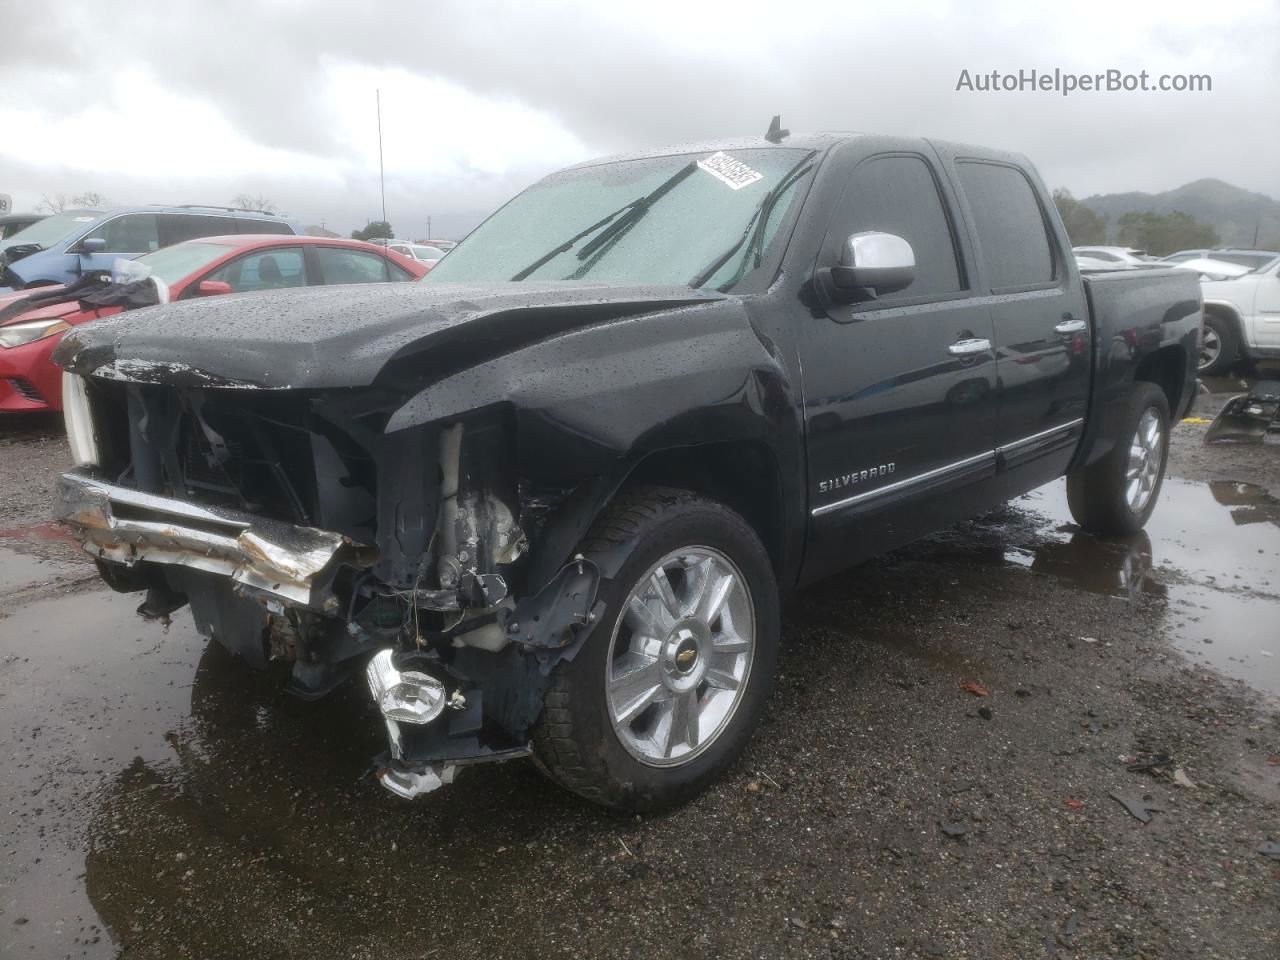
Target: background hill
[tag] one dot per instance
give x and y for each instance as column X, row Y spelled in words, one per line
column 1234, row 213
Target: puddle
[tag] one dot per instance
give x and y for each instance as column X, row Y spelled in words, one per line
column 85, row 686
column 149, row 778
column 128, row 748
column 21, row 571
column 1210, row 550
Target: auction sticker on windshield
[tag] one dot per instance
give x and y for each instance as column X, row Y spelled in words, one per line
column 728, row 170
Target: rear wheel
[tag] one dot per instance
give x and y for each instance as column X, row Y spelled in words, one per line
column 1115, row 495
column 1218, row 345
column 668, row 689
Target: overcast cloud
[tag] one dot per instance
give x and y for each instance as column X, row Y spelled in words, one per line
column 195, row 101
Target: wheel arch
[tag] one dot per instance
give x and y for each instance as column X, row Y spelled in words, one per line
column 744, row 475
column 1167, row 369
column 1231, row 313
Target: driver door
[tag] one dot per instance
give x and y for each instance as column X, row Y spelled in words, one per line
column 127, row 237
column 899, row 390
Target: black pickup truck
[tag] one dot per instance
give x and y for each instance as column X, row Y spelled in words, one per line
column 548, row 497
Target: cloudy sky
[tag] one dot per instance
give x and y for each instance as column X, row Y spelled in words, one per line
column 197, row 101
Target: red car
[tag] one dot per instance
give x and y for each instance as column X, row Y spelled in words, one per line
column 197, row 268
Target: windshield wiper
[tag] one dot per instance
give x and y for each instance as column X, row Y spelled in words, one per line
column 632, row 212
column 637, row 212
column 568, row 244
column 755, row 227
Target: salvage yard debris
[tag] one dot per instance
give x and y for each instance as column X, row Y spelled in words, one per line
column 1140, row 807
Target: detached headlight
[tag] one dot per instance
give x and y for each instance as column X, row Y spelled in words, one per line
column 79, row 421
column 20, row 333
column 406, row 696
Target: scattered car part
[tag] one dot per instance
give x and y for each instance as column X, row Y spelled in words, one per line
column 1138, row 807
column 1248, row 417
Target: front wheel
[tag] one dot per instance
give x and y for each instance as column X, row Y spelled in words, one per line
column 669, row 688
column 1114, row 496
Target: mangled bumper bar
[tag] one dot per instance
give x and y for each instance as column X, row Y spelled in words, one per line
column 434, row 711
column 122, row 525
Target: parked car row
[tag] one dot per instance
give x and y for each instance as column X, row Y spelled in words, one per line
column 422, row 252
column 71, row 244
column 210, row 266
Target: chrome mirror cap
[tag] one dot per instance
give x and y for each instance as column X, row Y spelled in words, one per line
column 883, row 262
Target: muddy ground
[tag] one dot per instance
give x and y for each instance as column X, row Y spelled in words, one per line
column 159, row 800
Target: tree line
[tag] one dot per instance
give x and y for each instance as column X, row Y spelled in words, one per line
column 1159, row 234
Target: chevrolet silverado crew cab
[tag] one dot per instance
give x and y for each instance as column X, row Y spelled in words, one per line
column 546, row 499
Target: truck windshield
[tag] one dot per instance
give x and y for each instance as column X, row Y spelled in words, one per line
column 685, row 219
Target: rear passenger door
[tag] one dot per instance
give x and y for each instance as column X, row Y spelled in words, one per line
column 1042, row 335
column 900, row 390
column 344, row 265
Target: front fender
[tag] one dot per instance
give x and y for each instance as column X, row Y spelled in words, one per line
column 592, row 403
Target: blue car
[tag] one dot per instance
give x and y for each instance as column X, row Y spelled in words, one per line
column 66, row 246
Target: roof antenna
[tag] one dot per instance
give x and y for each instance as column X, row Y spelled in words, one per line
column 776, row 133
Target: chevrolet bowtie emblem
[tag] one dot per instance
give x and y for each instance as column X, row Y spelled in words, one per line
column 685, row 657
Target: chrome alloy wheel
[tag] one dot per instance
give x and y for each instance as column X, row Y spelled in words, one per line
column 680, row 656
column 1210, row 346
column 1145, row 455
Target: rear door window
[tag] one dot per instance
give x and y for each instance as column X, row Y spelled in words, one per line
column 178, row 227
column 134, row 233
column 251, row 225
column 339, row 265
column 273, row 269
column 1011, row 228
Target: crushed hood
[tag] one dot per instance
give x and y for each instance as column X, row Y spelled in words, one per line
column 346, row 336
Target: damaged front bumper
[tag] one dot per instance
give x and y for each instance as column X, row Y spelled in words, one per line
column 465, row 693
column 280, row 560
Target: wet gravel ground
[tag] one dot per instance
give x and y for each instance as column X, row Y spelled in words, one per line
column 159, row 800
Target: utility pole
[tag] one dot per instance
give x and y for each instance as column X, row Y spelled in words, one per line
column 382, row 180
column 428, row 229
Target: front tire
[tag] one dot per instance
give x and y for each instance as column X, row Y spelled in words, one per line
column 668, row 689
column 1114, row 496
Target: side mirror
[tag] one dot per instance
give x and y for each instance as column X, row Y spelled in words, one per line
column 882, row 262
column 213, row 288
column 92, row 245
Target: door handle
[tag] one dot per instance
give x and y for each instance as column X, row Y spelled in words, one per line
column 969, row 348
column 1071, row 325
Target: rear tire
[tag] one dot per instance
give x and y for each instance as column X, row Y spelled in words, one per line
column 1114, row 496
column 1219, row 345
column 642, row 720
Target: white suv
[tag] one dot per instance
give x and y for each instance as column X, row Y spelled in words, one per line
column 1241, row 318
